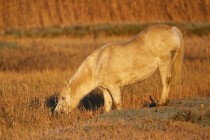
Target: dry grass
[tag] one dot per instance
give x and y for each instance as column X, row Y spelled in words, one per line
column 34, row 69
column 44, row 13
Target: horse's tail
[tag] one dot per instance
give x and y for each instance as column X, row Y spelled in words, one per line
column 178, row 59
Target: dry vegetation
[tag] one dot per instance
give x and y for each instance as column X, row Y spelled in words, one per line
column 42, row 43
column 44, row 13
column 33, row 70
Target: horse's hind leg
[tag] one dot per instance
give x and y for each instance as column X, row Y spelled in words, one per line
column 165, row 73
column 107, row 100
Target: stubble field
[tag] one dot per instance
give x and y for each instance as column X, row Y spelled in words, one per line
column 33, row 71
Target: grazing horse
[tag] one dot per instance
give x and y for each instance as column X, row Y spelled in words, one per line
column 119, row 64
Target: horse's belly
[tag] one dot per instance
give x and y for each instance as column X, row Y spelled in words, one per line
column 138, row 74
column 130, row 73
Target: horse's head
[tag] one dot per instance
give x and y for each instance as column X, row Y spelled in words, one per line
column 65, row 101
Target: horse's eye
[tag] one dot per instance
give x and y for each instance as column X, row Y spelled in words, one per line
column 63, row 98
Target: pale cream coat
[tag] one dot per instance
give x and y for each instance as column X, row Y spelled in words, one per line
column 119, row 64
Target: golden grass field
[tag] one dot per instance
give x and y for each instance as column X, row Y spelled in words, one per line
column 42, row 42
column 33, row 70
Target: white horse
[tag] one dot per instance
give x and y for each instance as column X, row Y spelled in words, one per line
column 119, row 64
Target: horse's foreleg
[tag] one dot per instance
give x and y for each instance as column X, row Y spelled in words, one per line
column 165, row 72
column 116, row 94
column 107, row 100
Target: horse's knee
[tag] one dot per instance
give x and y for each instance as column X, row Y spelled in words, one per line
column 116, row 95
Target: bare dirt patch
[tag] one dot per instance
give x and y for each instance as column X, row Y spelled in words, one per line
column 179, row 119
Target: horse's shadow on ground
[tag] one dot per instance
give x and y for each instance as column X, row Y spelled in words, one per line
column 92, row 101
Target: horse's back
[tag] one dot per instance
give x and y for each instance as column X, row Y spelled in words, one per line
column 155, row 41
column 137, row 59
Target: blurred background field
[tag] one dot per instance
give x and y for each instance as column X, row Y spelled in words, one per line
column 43, row 42
column 43, row 13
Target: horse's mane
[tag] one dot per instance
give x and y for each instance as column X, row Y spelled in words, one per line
column 82, row 75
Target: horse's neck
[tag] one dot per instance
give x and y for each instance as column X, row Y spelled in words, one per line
column 82, row 82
